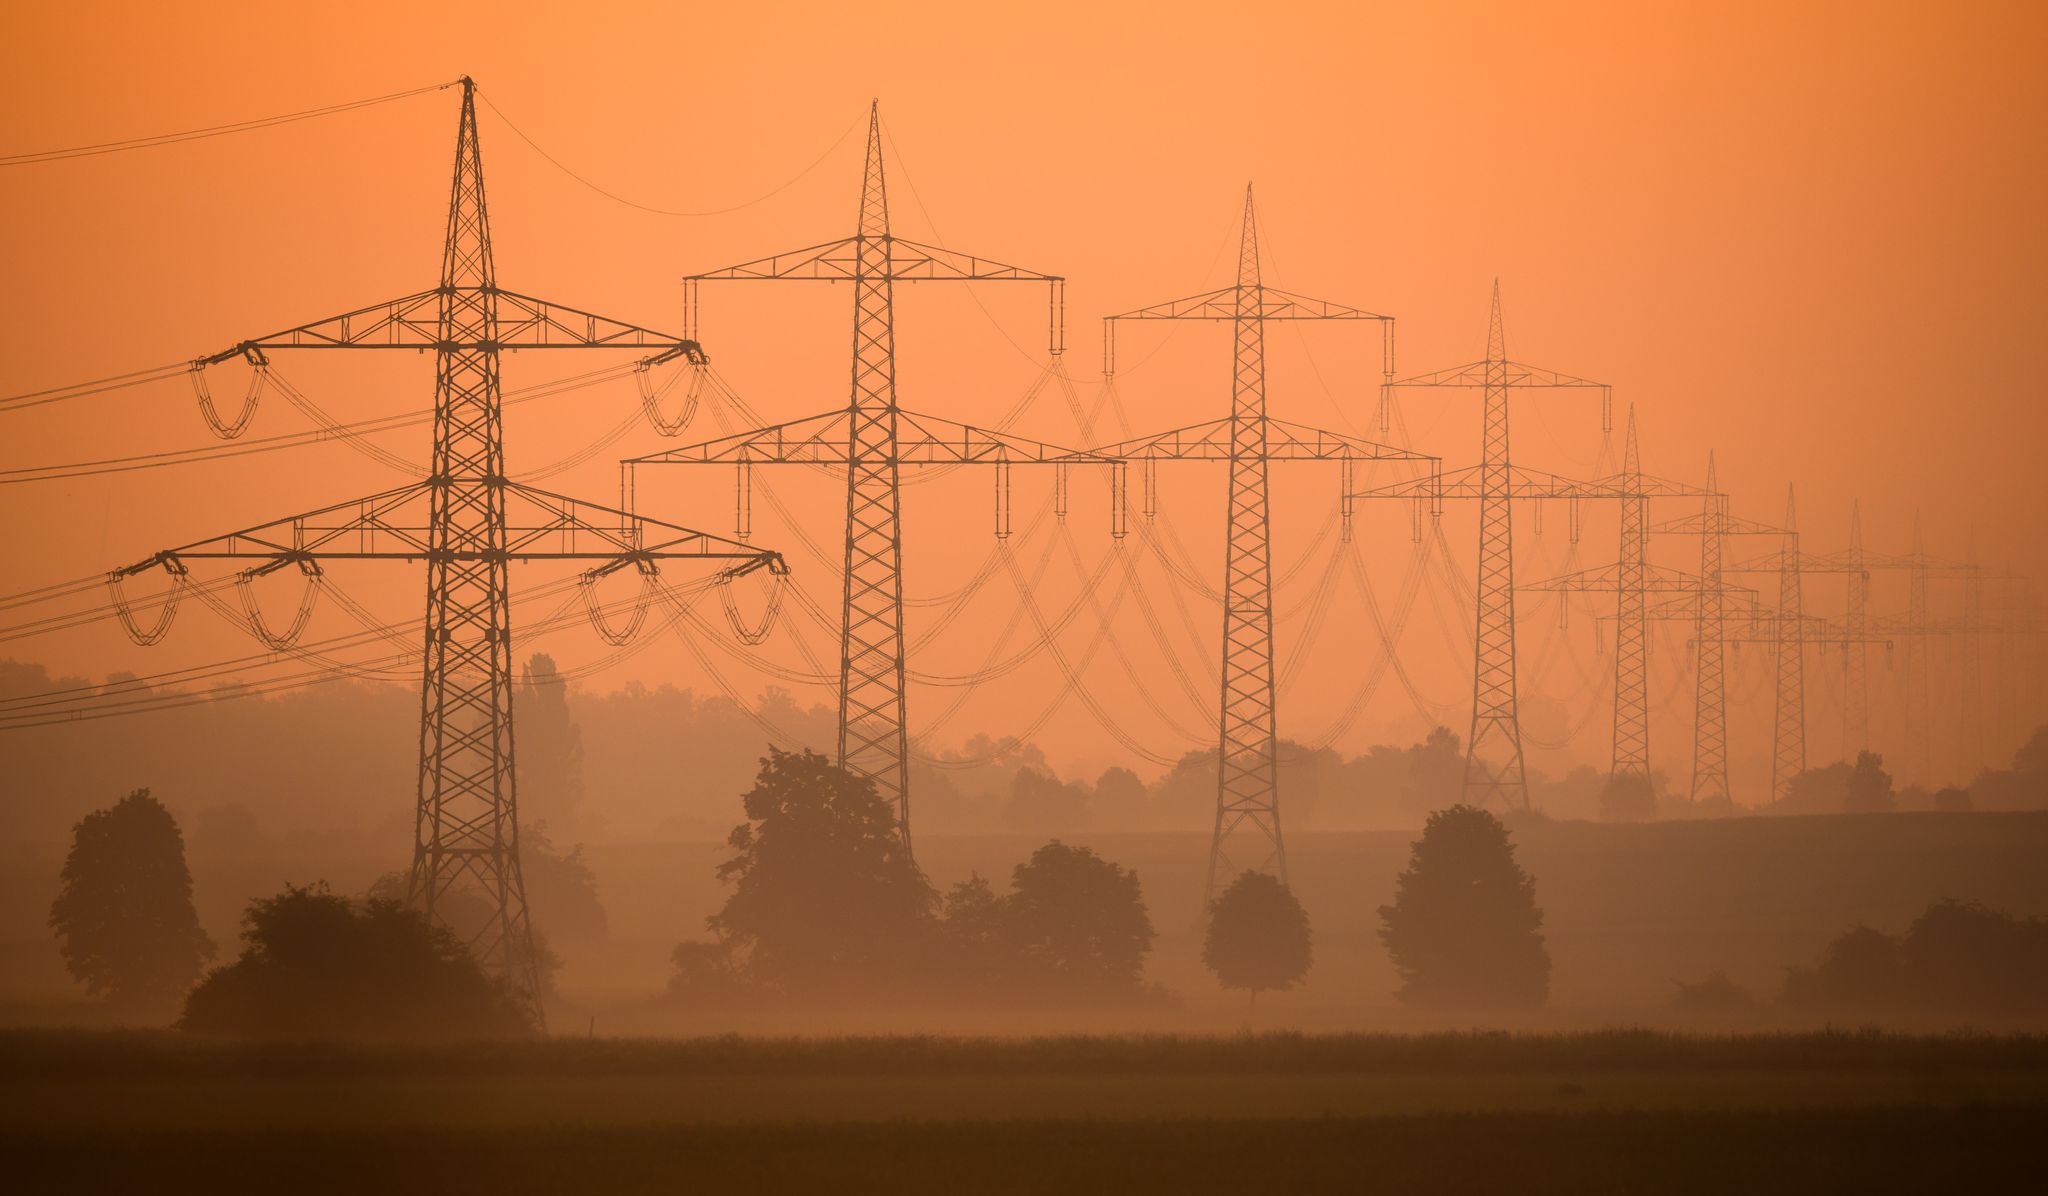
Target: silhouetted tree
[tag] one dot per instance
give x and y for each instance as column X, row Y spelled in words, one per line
column 1857, row 973
column 1822, row 790
column 2031, row 760
column 550, row 758
column 1079, row 920
column 1041, row 803
column 465, row 909
column 123, row 916
column 561, row 888
column 982, row 953
column 1953, row 800
column 825, row 892
column 1464, row 930
column 1717, row 995
column 1258, row 937
column 707, row 975
column 1436, row 774
column 1628, row 798
column 315, row 965
column 1870, row 787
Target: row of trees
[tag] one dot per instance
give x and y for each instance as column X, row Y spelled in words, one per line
column 826, row 905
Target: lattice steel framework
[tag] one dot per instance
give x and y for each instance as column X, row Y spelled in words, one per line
column 467, row 522
column 1788, row 741
column 1630, row 579
column 873, row 438
column 1494, row 769
column 1247, row 785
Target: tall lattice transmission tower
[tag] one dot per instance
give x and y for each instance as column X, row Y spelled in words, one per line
column 1631, row 579
column 468, row 522
column 1494, row 768
column 1248, row 441
column 873, row 438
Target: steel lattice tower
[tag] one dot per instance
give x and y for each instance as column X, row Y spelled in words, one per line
column 1494, row 769
column 1710, row 639
column 1247, row 783
column 1631, row 633
column 874, row 738
column 1855, row 656
column 1249, row 441
column 468, row 522
column 1788, row 745
column 873, row 438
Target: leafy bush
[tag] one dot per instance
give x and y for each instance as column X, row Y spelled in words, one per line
column 315, row 965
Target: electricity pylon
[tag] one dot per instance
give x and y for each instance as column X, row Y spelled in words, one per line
column 1711, row 635
column 467, row 522
column 873, row 438
column 1630, row 579
column 1494, row 769
column 1916, row 627
column 1249, row 441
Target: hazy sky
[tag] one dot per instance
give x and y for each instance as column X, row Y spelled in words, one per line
column 1810, row 240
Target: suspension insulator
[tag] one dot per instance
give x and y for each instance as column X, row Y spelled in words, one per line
column 757, row 634
column 652, row 395
column 166, row 614
column 258, row 627
column 618, row 637
column 252, row 398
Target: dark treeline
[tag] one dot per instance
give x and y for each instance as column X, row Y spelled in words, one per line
column 664, row 763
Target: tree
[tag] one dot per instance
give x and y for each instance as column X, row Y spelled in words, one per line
column 550, row 759
column 316, row 965
column 825, row 893
column 1042, row 803
column 123, row 916
column 1464, row 930
column 561, row 888
column 1870, row 787
column 1628, row 798
column 1079, row 920
column 1258, row 937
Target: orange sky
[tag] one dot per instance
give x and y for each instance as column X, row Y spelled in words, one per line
column 1809, row 240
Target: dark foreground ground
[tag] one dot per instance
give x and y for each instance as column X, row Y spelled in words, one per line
column 1617, row 1112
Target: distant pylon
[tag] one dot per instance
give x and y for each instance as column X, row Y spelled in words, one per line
column 1788, row 749
column 874, row 438
column 1710, row 644
column 1493, row 754
column 874, row 737
column 1855, row 654
column 1494, row 770
column 1917, row 683
column 1247, row 830
column 1247, row 782
column 1631, row 633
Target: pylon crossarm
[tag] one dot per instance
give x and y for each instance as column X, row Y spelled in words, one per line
column 398, row 525
column 1513, row 374
column 1285, row 441
column 414, row 322
column 1272, row 304
column 1698, row 523
column 564, row 528
column 1212, row 305
column 920, row 440
column 839, row 261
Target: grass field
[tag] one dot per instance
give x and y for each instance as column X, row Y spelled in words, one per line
column 1607, row 1112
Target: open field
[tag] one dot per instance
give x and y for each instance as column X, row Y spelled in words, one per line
column 1621, row 1111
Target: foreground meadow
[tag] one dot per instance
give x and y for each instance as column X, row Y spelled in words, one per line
column 1618, row 1111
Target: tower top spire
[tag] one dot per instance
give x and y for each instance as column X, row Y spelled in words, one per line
column 1248, row 244
column 874, row 190
column 1791, row 508
column 1496, row 333
column 1631, row 459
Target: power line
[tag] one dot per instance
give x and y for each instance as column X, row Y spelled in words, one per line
column 615, row 197
column 242, row 126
